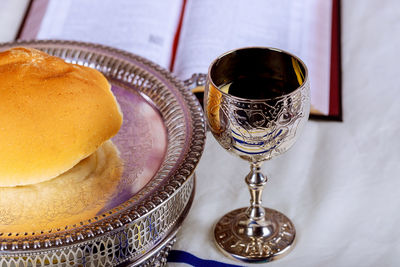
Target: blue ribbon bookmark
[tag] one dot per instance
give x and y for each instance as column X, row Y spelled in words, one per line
column 185, row 257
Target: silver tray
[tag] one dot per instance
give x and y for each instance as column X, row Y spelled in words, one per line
column 160, row 143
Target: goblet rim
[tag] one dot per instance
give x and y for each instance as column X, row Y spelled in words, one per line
column 259, row 100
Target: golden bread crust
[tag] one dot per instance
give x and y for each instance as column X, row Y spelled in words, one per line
column 52, row 115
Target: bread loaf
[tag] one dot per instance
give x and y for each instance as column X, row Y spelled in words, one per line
column 53, row 114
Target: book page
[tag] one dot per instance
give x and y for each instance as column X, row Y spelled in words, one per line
column 302, row 27
column 146, row 28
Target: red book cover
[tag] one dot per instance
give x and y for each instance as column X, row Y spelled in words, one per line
column 335, row 98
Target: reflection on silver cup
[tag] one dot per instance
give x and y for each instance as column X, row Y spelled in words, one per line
column 256, row 100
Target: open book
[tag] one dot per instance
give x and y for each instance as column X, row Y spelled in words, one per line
column 184, row 36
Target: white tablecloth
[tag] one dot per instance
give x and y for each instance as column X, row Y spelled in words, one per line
column 340, row 183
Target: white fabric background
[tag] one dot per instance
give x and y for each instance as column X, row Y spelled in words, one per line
column 340, row 184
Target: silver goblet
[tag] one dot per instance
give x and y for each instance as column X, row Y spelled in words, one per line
column 256, row 102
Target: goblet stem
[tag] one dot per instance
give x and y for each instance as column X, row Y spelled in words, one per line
column 255, row 234
column 255, row 181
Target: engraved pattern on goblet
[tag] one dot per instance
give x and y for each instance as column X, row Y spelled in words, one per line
column 256, row 130
column 259, row 130
column 253, row 247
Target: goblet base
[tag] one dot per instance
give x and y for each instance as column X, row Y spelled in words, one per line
column 262, row 240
